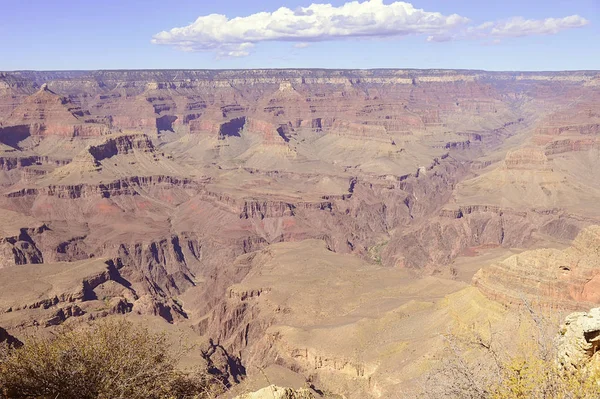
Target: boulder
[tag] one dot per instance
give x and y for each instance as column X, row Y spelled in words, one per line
column 5, row 337
column 275, row 392
column 579, row 339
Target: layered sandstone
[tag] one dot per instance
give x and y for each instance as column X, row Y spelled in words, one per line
column 203, row 125
column 526, row 158
column 121, row 145
column 559, row 278
column 361, row 131
column 268, row 132
column 46, row 113
column 579, row 119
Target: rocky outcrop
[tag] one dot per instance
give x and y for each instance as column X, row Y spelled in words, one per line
column 457, row 145
column 268, row 132
column 580, row 118
column 361, row 131
column 567, row 278
column 124, row 187
column 251, row 208
column 125, row 111
column 45, row 105
column 456, row 229
column 46, row 113
column 526, row 158
column 206, row 126
column 571, row 145
column 18, row 162
column 90, row 130
column 21, row 249
column 121, row 145
column 69, row 81
column 441, row 240
column 163, row 263
column 93, row 288
column 262, row 209
column 579, row 339
column 276, row 392
column 62, row 314
column 6, row 338
column 583, row 129
column 57, row 295
column 478, row 107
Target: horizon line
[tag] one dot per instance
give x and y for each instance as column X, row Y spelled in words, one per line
column 297, row 69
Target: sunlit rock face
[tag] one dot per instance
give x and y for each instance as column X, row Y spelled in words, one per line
column 566, row 278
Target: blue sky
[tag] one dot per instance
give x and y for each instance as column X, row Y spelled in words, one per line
column 470, row 34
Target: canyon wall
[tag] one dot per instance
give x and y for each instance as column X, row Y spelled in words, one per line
column 162, row 193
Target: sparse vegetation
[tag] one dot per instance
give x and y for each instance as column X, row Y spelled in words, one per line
column 375, row 251
column 516, row 377
column 109, row 359
column 480, row 368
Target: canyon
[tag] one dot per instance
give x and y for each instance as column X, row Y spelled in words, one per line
column 322, row 227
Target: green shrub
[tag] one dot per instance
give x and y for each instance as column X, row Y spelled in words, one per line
column 109, row 359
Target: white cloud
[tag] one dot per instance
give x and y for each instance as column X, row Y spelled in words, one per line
column 515, row 27
column 236, row 37
column 518, row 26
column 317, row 22
column 235, row 50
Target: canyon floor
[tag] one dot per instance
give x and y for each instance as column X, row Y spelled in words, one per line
column 321, row 228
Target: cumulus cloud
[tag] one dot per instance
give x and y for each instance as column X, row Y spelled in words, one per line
column 236, row 37
column 317, row 22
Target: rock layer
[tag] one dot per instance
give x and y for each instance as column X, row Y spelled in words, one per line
column 567, row 278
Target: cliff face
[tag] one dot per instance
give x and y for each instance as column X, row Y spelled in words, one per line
column 406, row 138
column 361, row 132
column 526, row 159
column 568, row 278
column 46, row 113
column 164, row 100
column 121, row 145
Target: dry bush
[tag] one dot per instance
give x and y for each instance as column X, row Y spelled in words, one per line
column 478, row 367
column 109, row 359
column 542, row 379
